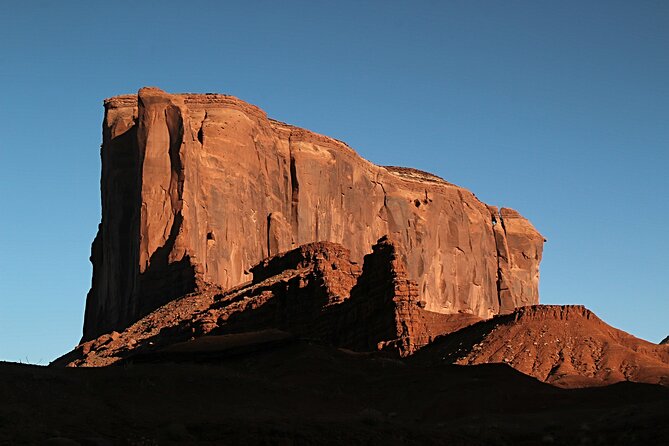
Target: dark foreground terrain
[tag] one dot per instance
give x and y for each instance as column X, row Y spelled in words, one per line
column 294, row 392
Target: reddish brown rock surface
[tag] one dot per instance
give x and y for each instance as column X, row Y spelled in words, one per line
column 567, row 346
column 317, row 292
column 196, row 189
column 314, row 291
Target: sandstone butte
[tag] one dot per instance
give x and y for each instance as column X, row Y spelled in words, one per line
column 199, row 189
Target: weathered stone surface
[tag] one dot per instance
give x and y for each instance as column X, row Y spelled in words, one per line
column 196, row 189
column 568, row 346
column 384, row 311
column 314, row 291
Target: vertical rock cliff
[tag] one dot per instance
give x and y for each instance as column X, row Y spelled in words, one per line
column 197, row 189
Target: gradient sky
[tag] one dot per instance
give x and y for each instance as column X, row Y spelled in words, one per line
column 557, row 109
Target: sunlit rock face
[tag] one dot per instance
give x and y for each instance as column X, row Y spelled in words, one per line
column 564, row 345
column 196, row 189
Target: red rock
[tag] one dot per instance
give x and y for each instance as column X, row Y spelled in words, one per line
column 385, row 312
column 196, row 189
column 85, row 348
column 317, row 292
column 568, row 346
column 314, row 291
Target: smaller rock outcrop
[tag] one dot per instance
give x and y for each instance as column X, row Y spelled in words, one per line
column 386, row 305
column 665, row 340
column 315, row 291
column 568, row 346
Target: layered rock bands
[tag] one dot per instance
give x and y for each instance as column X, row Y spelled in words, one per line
column 197, row 189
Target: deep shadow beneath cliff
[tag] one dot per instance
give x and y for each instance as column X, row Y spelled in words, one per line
column 299, row 392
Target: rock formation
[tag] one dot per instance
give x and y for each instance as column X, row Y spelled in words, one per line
column 567, row 346
column 197, row 189
column 224, row 231
column 314, row 291
column 665, row 340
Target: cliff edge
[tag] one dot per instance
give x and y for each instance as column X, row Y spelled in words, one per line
column 196, row 189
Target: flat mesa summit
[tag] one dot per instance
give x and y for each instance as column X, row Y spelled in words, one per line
column 198, row 189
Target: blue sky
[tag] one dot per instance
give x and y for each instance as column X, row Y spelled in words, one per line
column 557, row 109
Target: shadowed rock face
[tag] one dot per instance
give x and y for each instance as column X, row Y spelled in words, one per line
column 196, row 189
column 314, row 291
column 665, row 340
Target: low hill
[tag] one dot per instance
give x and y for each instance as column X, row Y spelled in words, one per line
column 568, row 346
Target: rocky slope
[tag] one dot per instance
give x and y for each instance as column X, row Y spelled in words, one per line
column 567, row 346
column 317, row 292
column 314, row 291
column 665, row 340
column 196, row 189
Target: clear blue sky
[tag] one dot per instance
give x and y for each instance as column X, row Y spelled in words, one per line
column 557, row 109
